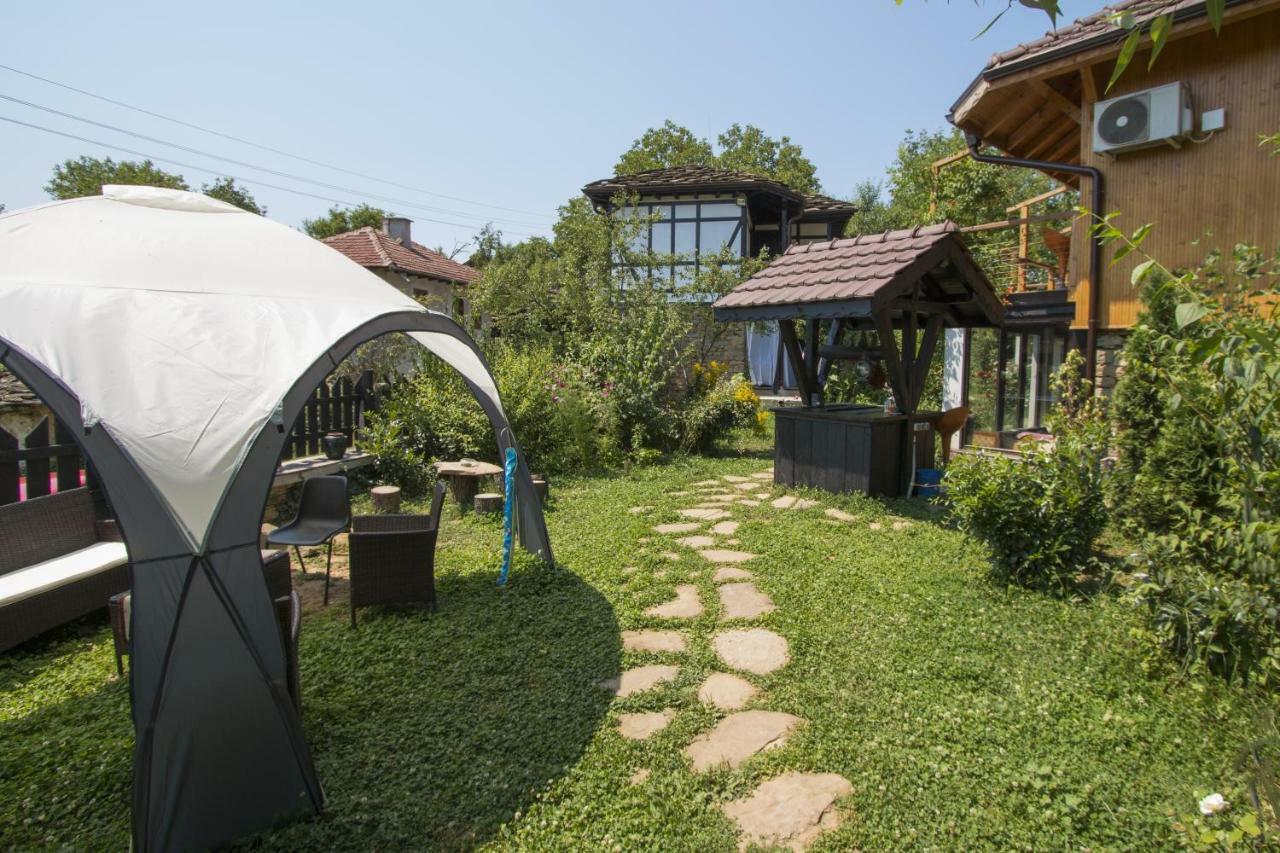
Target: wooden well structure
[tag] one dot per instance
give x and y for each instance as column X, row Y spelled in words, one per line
column 882, row 300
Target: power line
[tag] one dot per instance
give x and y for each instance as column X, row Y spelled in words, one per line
column 206, row 170
column 259, row 145
column 276, row 172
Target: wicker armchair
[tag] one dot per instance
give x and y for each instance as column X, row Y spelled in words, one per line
column 57, row 563
column 393, row 558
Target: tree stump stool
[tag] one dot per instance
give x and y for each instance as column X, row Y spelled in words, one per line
column 540, row 486
column 263, row 532
column 385, row 498
column 489, row 502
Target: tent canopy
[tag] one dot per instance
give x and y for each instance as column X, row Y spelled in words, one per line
column 183, row 336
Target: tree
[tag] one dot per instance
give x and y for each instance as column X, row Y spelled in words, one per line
column 339, row 221
column 748, row 149
column 226, row 189
column 663, row 147
column 86, row 176
column 742, row 148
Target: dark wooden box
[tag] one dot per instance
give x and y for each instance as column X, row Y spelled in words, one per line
column 846, row 449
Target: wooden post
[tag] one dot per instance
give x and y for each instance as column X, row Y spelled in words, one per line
column 792, row 346
column 385, row 498
column 1024, row 234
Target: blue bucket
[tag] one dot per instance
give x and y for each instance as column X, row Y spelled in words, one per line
column 928, row 482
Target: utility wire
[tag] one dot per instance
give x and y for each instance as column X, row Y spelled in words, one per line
column 276, row 172
column 259, row 145
column 206, row 170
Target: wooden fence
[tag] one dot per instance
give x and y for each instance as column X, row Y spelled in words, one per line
column 50, row 460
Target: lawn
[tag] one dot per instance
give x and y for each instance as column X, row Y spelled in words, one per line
column 963, row 715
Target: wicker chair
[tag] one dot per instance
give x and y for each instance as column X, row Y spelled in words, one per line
column 57, row 563
column 393, row 558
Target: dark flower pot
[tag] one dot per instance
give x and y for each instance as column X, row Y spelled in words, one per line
column 335, row 445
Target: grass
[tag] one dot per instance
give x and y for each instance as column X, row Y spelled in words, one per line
column 965, row 716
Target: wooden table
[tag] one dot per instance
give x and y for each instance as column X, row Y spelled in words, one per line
column 464, row 478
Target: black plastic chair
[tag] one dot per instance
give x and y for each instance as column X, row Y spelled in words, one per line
column 323, row 512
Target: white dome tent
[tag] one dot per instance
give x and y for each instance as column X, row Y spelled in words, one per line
column 180, row 337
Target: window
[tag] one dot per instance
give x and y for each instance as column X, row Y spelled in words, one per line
column 1007, row 386
column 689, row 230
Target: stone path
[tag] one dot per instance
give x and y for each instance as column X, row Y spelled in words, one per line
column 738, row 737
column 755, row 650
column 639, row 679
column 726, row 692
column 790, row 810
column 686, row 605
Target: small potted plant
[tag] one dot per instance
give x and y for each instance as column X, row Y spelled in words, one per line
column 335, row 445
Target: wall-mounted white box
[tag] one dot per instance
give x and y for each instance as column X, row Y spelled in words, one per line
column 1213, row 120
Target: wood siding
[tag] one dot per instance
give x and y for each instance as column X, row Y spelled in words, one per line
column 1200, row 196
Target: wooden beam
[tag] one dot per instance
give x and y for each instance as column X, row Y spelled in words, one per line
column 928, row 346
column 1088, row 87
column 908, row 357
column 839, row 353
column 888, row 346
column 1059, row 100
column 922, row 306
column 811, row 334
column 938, row 165
column 824, row 363
column 1002, row 224
column 792, row 347
column 1052, row 141
column 1028, row 202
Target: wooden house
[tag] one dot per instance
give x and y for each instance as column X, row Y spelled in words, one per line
column 1175, row 145
column 705, row 209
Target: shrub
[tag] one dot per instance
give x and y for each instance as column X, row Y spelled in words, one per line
column 715, row 404
column 1040, row 513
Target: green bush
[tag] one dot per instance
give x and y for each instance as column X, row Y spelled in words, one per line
column 1040, row 513
column 716, row 403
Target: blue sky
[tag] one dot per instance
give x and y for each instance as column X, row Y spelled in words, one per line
column 510, row 104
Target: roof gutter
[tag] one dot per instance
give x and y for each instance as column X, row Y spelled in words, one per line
column 1095, row 242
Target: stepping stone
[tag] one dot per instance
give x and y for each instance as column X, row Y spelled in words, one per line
column 653, row 641
column 671, row 555
column 703, row 483
column 754, row 650
column 725, row 528
column 875, row 525
column 642, row 725
column 731, row 573
column 660, row 574
column 734, row 478
column 785, row 502
column 840, row 515
column 726, row 692
column 762, row 495
column 630, row 570
column 744, row 601
column 804, row 503
column 639, row 679
column 749, row 502
column 636, row 510
column 763, row 475
column 719, row 499
column 733, row 541
column 697, row 541
column 717, row 555
column 686, row 605
column 901, row 525
column 640, row 776
column 747, row 485
column 686, row 527
column 705, row 513
column 791, row 810
column 738, row 737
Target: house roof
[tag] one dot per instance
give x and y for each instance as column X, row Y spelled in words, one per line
column 856, row 275
column 686, row 179
column 15, row 395
column 376, row 249
column 818, row 205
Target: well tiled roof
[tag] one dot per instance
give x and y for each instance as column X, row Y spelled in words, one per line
column 13, row 394
column 685, row 179
column 374, row 248
column 838, row 270
column 1089, row 27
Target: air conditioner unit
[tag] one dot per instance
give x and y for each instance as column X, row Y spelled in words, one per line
column 1142, row 119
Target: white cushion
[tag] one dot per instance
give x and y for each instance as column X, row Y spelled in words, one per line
column 61, row 571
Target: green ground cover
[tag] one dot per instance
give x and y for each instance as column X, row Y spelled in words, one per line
column 965, row 716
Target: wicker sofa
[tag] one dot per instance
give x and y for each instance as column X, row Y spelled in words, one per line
column 57, row 563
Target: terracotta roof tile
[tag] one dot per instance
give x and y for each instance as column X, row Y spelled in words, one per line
column 1088, row 27
column 373, row 248
column 851, row 268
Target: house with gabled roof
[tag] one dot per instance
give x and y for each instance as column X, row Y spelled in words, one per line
column 425, row 274
column 703, row 209
column 1174, row 143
